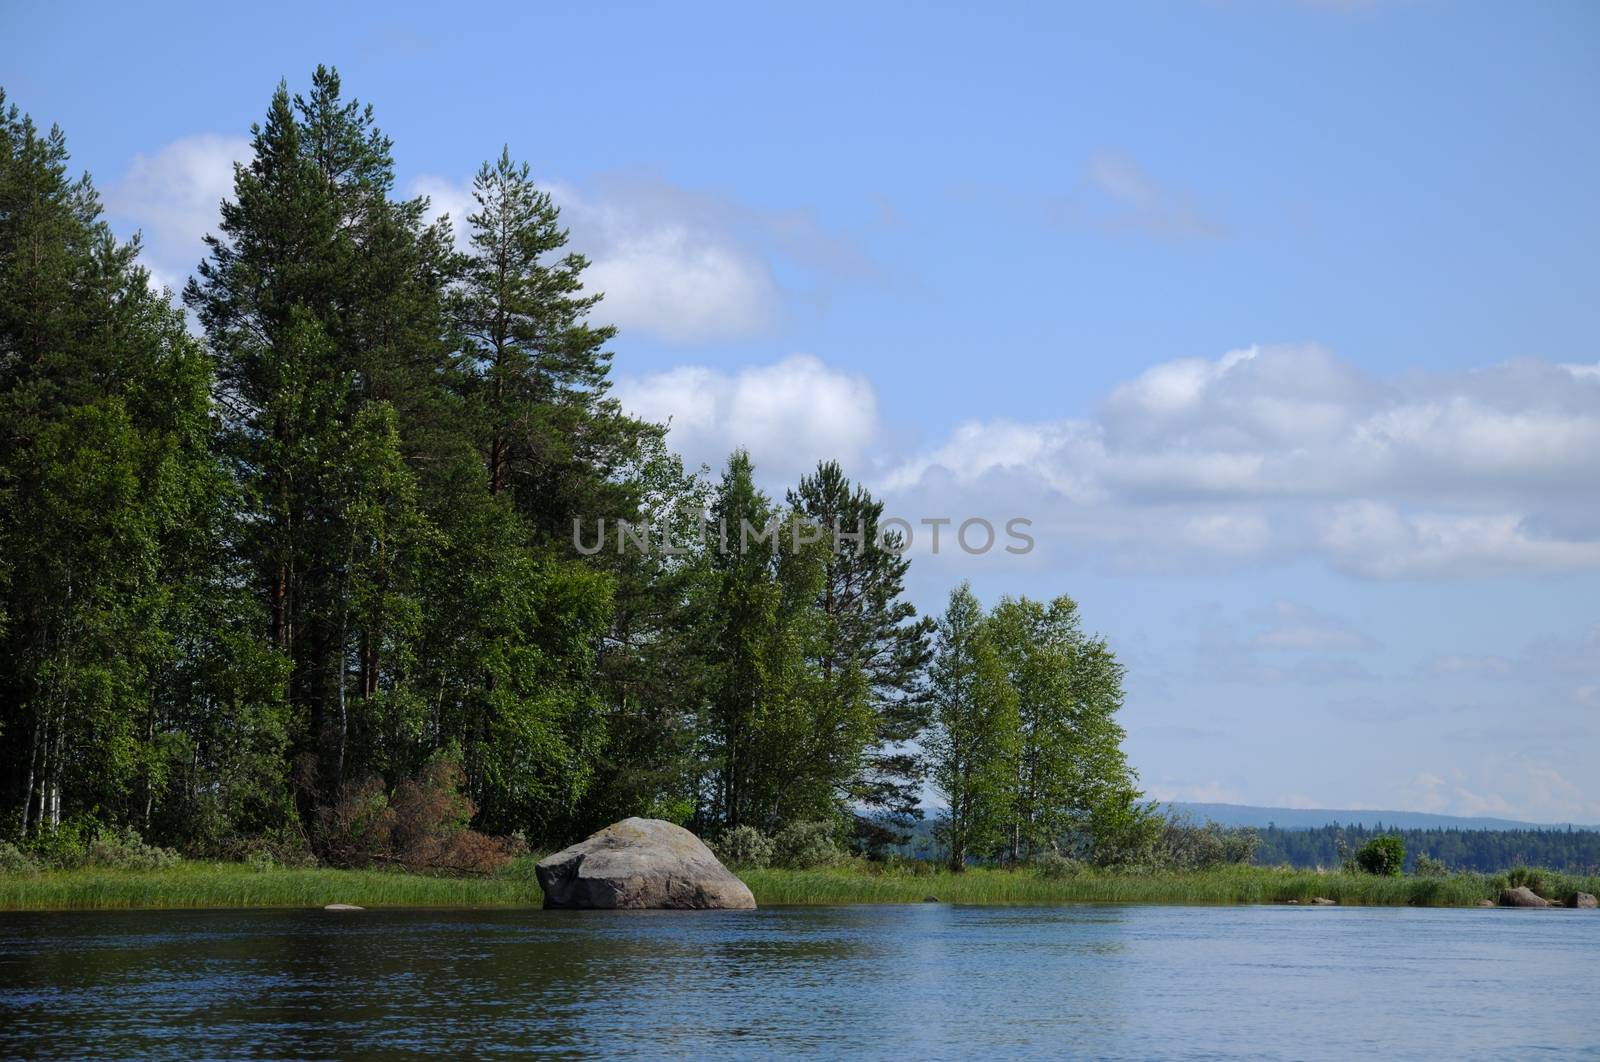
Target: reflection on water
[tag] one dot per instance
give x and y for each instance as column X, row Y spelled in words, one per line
column 924, row 981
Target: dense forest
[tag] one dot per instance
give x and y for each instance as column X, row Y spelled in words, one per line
column 306, row 546
column 1488, row 851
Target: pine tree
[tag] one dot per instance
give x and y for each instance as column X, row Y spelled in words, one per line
column 874, row 649
column 322, row 301
column 550, row 437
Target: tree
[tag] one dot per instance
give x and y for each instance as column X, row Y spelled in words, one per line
column 874, row 649
column 972, row 744
column 539, row 371
column 123, row 650
column 777, row 747
column 1382, row 855
column 1069, row 688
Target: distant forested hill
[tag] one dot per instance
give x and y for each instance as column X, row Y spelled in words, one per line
column 1490, row 851
column 1461, row 847
column 1310, row 818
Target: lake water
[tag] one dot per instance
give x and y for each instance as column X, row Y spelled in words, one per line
column 903, row 982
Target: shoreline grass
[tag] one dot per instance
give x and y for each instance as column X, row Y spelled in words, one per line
column 191, row 884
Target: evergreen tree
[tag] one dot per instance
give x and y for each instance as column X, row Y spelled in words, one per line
column 873, row 650
column 776, row 748
column 125, row 643
column 539, row 370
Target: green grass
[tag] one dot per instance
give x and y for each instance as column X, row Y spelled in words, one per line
column 196, row 884
column 1229, row 885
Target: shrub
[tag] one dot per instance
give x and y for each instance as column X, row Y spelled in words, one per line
column 14, row 860
column 1429, row 867
column 1518, row 876
column 124, row 850
column 805, row 845
column 422, row 825
column 1053, row 866
column 744, row 846
column 1384, row 855
column 1185, row 846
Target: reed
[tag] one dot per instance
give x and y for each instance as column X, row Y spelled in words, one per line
column 201, row 884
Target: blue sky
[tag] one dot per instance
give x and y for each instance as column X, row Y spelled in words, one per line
column 1278, row 319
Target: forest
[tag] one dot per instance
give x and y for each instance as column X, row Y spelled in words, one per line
column 1484, row 851
column 293, row 564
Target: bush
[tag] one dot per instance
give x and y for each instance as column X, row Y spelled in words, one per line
column 124, row 850
column 14, row 860
column 1429, row 867
column 422, row 825
column 1519, row 876
column 1384, row 855
column 805, row 845
column 1053, row 866
column 744, row 846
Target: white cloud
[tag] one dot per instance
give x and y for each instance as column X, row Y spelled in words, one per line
column 684, row 265
column 172, row 197
column 1525, row 788
column 1288, row 625
column 683, row 286
column 1284, row 451
column 789, row 415
column 1142, row 203
column 1470, row 666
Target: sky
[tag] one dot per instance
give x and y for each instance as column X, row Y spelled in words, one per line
column 1278, row 320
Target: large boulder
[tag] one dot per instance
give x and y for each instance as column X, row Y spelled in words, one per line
column 1582, row 899
column 1522, row 896
column 639, row 863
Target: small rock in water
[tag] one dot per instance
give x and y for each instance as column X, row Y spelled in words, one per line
column 1292, row 902
column 1522, row 896
column 343, row 907
column 1485, row 903
column 935, row 899
column 1323, row 901
column 1582, row 899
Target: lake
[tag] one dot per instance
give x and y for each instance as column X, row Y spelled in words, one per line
column 904, row 982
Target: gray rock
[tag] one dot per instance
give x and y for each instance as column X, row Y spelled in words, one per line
column 640, row 863
column 1522, row 896
column 1582, row 899
column 343, row 907
column 1485, row 903
column 1323, row 901
column 930, row 899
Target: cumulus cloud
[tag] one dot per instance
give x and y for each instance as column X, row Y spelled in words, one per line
column 172, row 197
column 1282, row 451
column 789, row 414
column 1527, row 788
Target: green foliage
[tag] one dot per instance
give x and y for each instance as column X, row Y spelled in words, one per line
column 744, row 847
column 1519, row 877
column 1053, row 866
column 1429, row 867
column 304, row 588
column 806, row 846
column 973, row 743
column 14, row 860
column 1485, row 851
column 1384, row 855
